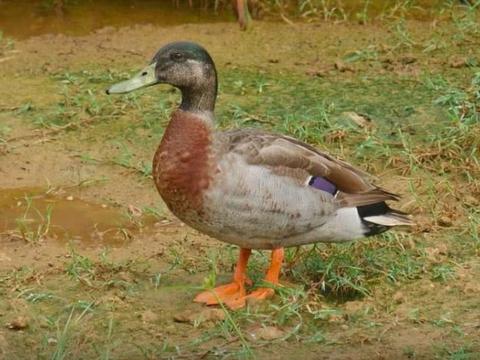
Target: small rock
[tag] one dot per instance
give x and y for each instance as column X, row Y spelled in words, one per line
column 265, row 333
column 69, row 197
column 19, row 323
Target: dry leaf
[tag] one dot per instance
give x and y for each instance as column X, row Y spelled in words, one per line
column 361, row 120
column 134, row 211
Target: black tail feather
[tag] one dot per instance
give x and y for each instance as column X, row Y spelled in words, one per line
column 392, row 217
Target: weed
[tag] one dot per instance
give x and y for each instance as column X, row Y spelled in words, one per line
column 464, row 352
column 362, row 16
column 80, row 267
column 34, row 228
column 6, row 44
column 65, row 334
column 125, row 159
column 4, row 130
column 409, row 352
column 443, row 272
column 36, row 297
column 463, row 105
column 108, row 342
column 402, row 35
column 422, row 143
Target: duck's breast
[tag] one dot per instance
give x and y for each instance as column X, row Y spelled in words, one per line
column 182, row 165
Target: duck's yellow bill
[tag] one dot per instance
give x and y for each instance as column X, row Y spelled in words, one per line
column 144, row 78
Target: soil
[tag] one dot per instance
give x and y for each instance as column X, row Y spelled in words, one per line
column 92, row 217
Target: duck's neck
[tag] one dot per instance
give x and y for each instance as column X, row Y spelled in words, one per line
column 200, row 96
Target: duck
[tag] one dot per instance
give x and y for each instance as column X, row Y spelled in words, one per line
column 248, row 187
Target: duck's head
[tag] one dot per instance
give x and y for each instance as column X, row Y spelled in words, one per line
column 185, row 65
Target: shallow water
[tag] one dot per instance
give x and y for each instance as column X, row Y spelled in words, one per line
column 21, row 19
column 24, row 18
column 34, row 215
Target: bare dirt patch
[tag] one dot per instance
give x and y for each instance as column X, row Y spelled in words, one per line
column 124, row 298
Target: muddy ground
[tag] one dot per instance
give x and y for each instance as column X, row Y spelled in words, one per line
column 96, row 266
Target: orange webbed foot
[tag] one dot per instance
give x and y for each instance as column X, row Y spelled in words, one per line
column 258, row 295
column 225, row 294
column 261, row 294
column 234, row 295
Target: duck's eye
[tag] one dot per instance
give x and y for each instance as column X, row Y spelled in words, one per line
column 176, row 56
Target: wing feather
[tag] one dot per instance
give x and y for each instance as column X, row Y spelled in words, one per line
column 277, row 151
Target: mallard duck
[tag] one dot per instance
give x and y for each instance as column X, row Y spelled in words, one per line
column 248, row 187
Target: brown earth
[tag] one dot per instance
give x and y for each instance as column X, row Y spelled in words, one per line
column 46, row 160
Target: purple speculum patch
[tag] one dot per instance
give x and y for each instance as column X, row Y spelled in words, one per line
column 323, row 184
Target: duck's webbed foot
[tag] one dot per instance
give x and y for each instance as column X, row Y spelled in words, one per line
column 225, row 294
column 256, row 295
column 234, row 294
column 263, row 293
column 229, row 292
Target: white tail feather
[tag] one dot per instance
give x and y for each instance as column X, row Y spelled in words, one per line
column 389, row 219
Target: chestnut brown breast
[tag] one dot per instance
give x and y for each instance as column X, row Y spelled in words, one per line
column 182, row 164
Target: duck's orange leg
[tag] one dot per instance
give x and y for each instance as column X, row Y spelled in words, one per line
column 272, row 276
column 229, row 292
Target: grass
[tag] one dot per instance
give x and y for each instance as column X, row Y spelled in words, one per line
column 423, row 143
column 367, row 11
column 33, row 228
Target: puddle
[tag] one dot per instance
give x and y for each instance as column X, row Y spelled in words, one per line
column 21, row 19
column 32, row 215
column 24, row 18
